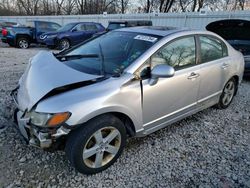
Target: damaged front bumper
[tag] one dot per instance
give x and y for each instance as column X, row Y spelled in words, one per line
column 41, row 137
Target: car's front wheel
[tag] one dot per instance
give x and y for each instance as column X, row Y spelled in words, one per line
column 227, row 94
column 64, row 44
column 97, row 145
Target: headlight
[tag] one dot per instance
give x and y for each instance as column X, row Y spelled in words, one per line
column 51, row 36
column 48, row 120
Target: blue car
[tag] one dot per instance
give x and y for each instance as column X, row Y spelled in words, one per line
column 23, row 36
column 71, row 34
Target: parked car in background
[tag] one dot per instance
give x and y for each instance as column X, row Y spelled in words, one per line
column 71, row 34
column 4, row 24
column 23, row 36
column 127, row 82
column 237, row 33
column 127, row 23
column 117, row 24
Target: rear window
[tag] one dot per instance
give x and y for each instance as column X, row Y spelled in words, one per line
column 212, row 49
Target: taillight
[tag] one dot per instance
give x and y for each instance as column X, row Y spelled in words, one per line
column 4, row 32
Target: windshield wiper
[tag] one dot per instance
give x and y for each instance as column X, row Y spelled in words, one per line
column 102, row 60
column 79, row 56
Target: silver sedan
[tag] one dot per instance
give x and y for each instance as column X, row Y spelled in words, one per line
column 125, row 83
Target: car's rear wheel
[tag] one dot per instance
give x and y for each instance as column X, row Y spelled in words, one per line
column 97, row 145
column 227, row 94
column 64, row 44
column 23, row 42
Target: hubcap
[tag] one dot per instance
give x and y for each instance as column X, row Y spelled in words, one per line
column 228, row 93
column 23, row 44
column 102, row 147
column 64, row 44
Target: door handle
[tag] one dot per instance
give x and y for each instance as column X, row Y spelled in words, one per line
column 224, row 65
column 193, row 75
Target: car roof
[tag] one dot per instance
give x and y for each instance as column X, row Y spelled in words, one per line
column 153, row 30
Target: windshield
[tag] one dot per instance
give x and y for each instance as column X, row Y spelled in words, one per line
column 114, row 51
column 67, row 27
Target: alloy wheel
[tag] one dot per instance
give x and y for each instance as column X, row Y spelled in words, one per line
column 64, row 44
column 228, row 93
column 23, row 43
column 101, row 147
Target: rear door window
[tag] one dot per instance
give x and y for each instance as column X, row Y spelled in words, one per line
column 212, row 49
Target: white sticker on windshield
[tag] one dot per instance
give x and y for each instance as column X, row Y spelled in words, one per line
column 145, row 38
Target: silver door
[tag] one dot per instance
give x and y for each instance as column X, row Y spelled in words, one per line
column 169, row 98
column 213, row 70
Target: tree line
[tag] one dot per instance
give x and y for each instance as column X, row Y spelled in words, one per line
column 70, row 7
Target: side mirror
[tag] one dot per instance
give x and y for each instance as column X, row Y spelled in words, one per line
column 161, row 71
column 73, row 30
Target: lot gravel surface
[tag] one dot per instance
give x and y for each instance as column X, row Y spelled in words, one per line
column 209, row 149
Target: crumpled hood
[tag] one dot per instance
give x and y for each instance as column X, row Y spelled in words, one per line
column 44, row 74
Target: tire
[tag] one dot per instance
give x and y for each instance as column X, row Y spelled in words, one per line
column 64, row 44
column 227, row 95
column 23, row 43
column 92, row 137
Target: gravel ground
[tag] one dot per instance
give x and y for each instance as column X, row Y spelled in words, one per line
column 209, row 149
